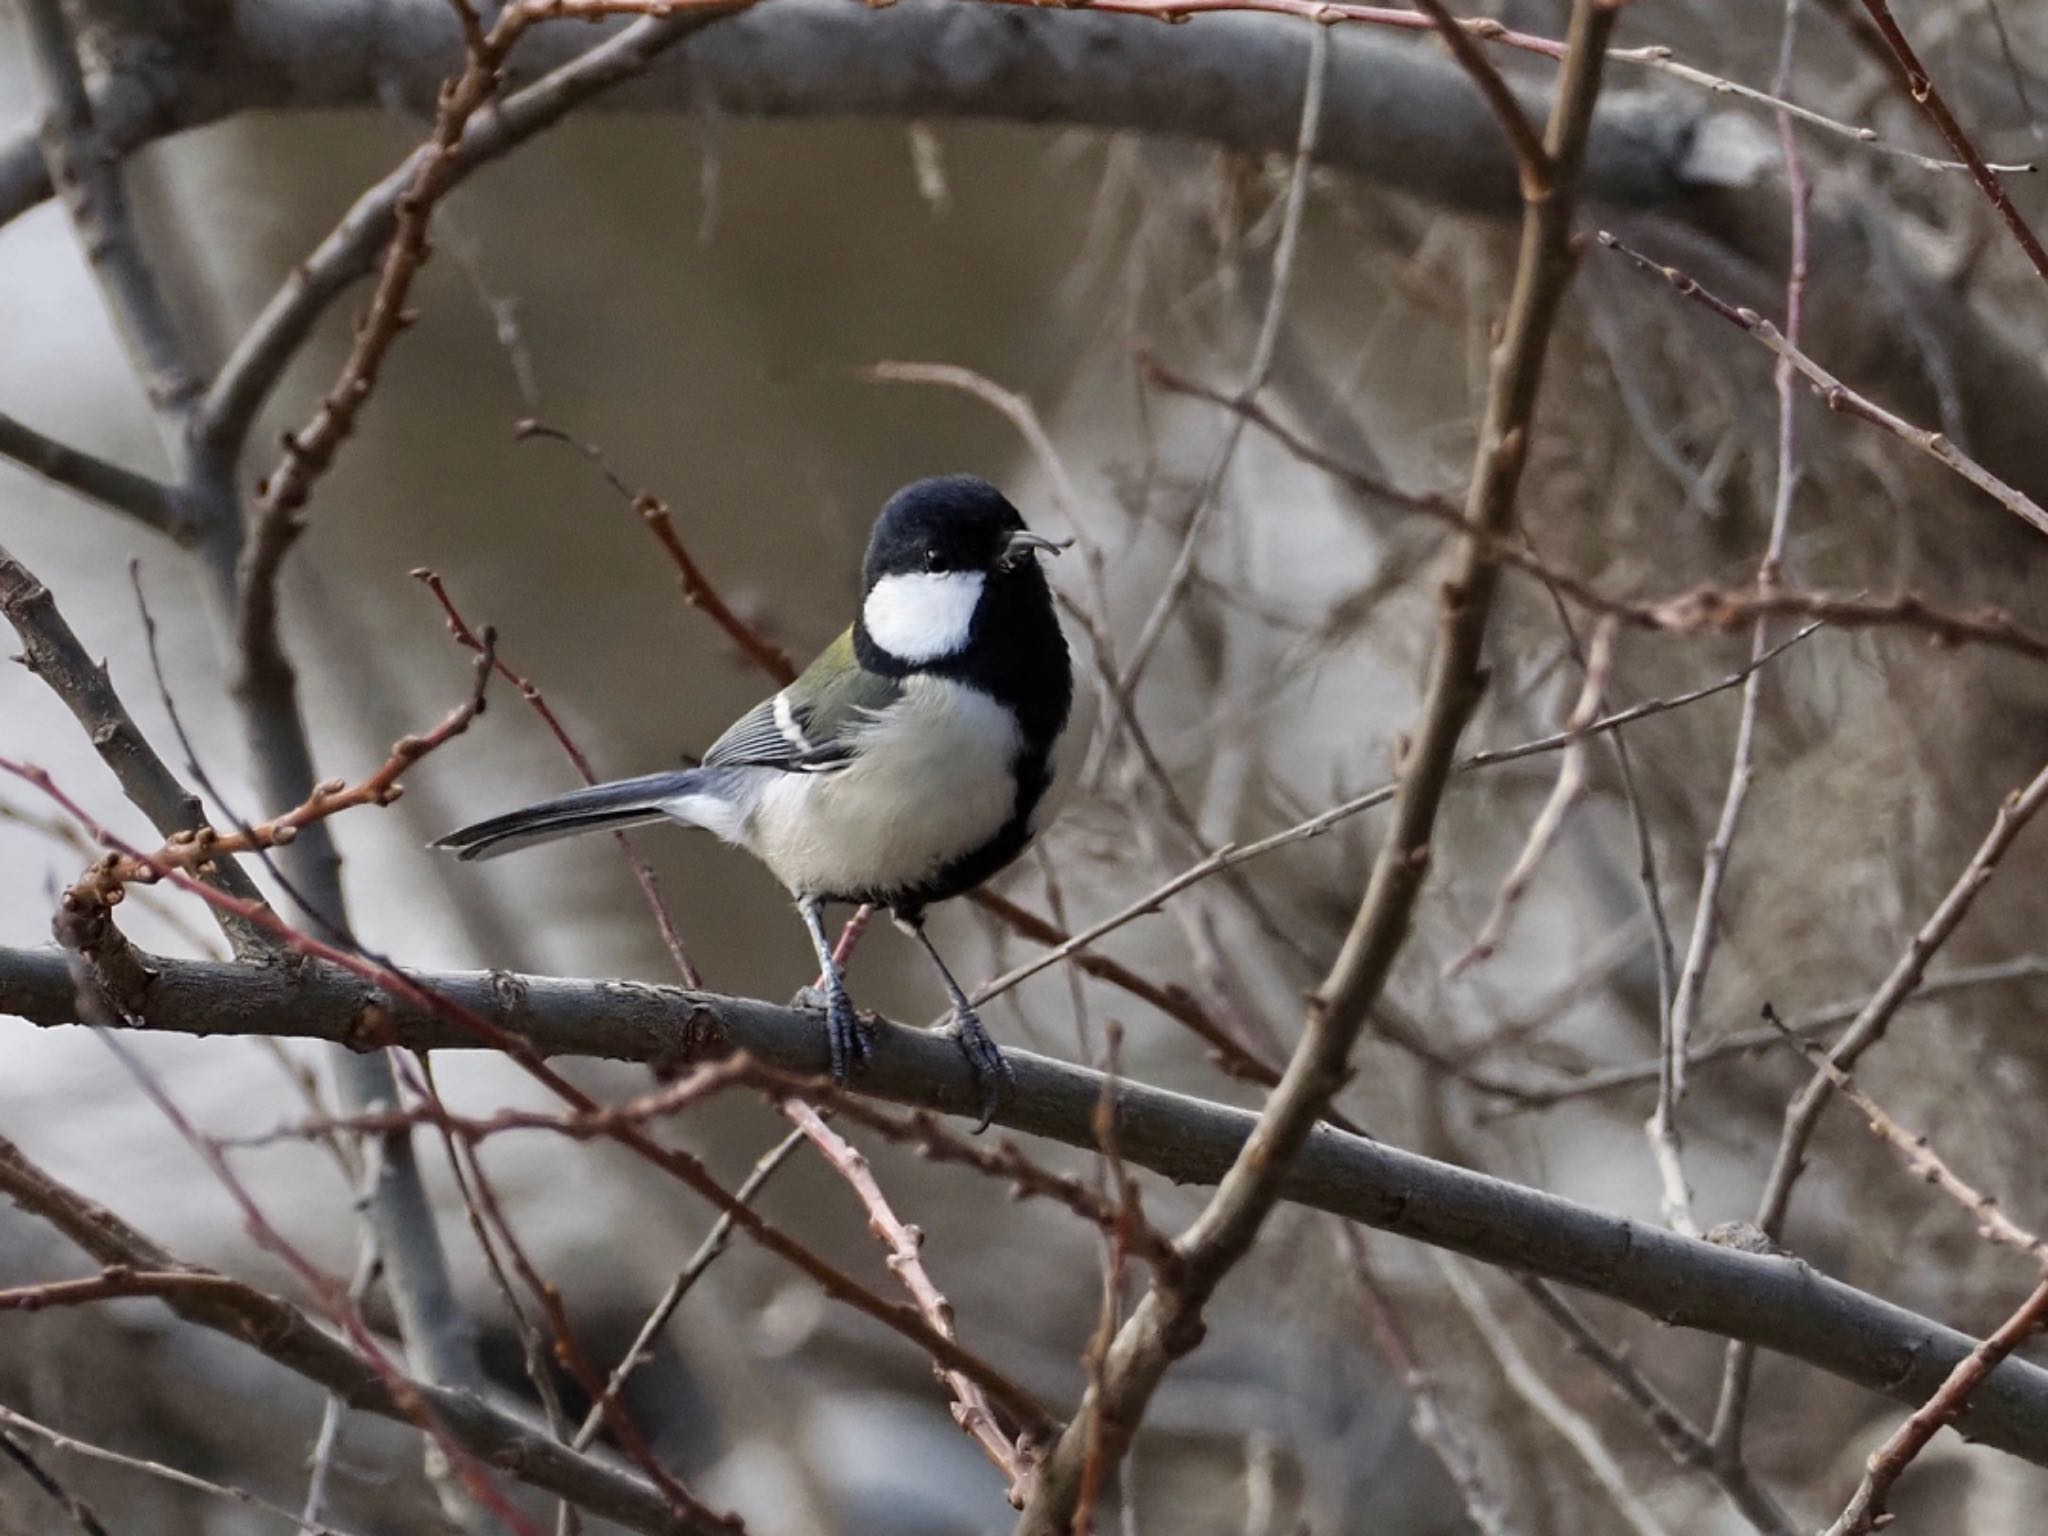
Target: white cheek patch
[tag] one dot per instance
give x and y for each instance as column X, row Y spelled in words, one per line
column 922, row 616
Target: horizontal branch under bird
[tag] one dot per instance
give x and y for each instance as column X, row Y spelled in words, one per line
column 1780, row 1303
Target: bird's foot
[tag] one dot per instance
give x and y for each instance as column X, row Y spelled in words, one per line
column 850, row 1039
column 992, row 1073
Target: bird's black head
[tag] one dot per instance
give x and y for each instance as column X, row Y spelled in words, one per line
column 946, row 523
column 951, row 570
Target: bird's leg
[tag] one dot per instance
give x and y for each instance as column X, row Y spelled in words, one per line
column 991, row 1069
column 850, row 1042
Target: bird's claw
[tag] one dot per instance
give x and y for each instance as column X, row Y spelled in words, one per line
column 992, row 1072
column 850, row 1039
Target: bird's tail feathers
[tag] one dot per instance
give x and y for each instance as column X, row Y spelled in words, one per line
column 624, row 803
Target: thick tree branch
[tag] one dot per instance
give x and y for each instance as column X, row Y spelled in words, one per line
column 1779, row 1303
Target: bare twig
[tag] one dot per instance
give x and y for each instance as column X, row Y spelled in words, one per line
column 1528, row 1383
column 1921, row 1160
column 1564, row 794
column 177, row 1476
column 1432, row 1425
column 1839, row 396
column 1813, row 1022
column 196, row 849
column 697, row 588
column 1865, row 1510
column 1197, row 519
column 715, row 1242
column 149, row 501
column 971, row 1408
column 643, row 872
column 1681, row 1438
column 1802, row 1115
column 80, row 1512
column 1920, row 86
column 54, row 653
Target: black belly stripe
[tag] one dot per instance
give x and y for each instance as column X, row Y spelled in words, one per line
column 1018, row 657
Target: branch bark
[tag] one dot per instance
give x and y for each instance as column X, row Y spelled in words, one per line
column 1779, row 1303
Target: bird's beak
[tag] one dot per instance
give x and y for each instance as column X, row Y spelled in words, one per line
column 1024, row 543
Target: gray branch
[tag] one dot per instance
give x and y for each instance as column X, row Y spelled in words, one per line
column 148, row 501
column 1778, row 1303
column 1399, row 114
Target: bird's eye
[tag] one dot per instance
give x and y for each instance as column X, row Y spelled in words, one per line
column 931, row 560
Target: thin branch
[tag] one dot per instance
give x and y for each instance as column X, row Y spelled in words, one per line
column 697, row 588
column 1837, row 395
column 148, row 500
column 1532, row 159
column 1802, row 1114
column 1681, row 1438
column 195, row 849
column 54, row 653
column 1564, row 794
column 1575, row 1429
column 715, row 1243
column 1865, row 1510
column 1921, row 1160
column 1814, row 1022
column 643, row 872
column 1263, row 350
column 1921, row 88
column 971, row 1408
column 80, row 1512
column 1427, row 1418
column 177, row 1476
column 87, row 171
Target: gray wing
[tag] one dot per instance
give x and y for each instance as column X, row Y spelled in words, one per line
column 815, row 724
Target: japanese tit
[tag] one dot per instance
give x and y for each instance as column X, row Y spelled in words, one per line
column 916, row 757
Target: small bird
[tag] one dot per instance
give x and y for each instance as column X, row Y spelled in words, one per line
column 918, row 755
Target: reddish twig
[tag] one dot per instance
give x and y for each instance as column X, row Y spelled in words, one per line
column 193, row 851
column 698, row 589
column 1865, row 1511
column 971, row 1408
column 110, row 1283
column 1920, row 86
column 643, row 872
